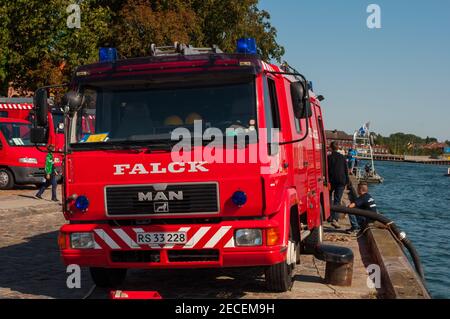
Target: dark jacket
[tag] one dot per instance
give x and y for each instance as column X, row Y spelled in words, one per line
column 337, row 169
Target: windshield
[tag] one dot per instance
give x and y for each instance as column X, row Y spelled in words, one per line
column 16, row 134
column 112, row 114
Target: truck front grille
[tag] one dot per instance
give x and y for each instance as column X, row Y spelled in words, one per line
column 193, row 255
column 162, row 199
column 144, row 256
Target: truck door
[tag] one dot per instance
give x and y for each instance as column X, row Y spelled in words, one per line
column 323, row 179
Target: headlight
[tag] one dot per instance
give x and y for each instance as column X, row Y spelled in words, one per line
column 82, row 240
column 248, row 237
column 26, row 160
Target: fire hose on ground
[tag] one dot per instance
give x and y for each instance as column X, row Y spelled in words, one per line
column 390, row 225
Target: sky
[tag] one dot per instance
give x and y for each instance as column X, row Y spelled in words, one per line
column 396, row 77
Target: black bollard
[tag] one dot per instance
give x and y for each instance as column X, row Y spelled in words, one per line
column 339, row 268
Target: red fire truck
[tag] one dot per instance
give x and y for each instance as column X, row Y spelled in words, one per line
column 18, row 108
column 20, row 162
column 130, row 204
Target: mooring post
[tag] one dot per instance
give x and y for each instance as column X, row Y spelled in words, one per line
column 339, row 267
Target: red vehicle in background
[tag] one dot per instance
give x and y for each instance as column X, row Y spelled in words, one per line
column 131, row 204
column 20, row 162
column 18, row 108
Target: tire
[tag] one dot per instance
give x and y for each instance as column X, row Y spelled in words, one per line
column 280, row 277
column 6, row 179
column 316, row 236
column 108, row 277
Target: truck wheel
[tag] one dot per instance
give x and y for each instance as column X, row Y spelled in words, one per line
column 6, row 179
column 280, row 277
column 108, row 277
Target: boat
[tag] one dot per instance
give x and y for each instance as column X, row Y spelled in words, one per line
column 448, row 173
column 362, row 142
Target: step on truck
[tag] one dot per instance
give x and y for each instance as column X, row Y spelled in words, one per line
column 192, row 158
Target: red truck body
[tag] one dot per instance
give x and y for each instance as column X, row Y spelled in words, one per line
column 17, row 108
column 127, row 194
column 20, row 161
column 18, row 112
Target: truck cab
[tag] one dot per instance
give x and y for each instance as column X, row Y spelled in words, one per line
column 191, row 158
column 20, row 161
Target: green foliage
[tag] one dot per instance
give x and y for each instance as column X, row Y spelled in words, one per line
column 39, row 49
column 409, row 144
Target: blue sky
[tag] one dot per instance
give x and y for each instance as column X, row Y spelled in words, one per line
column 398, row 77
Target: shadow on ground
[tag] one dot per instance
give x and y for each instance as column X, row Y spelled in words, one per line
column 34, row 269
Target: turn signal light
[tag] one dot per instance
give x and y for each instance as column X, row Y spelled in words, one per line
column 272, row 236
column 62, row 241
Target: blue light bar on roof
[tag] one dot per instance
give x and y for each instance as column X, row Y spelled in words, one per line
column 107, row 54
column 247, row 46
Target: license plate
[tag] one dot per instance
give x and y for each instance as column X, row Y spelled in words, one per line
column 161, row 238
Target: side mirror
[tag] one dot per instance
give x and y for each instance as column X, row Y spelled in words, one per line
column 41, row 107
column 300, row 102
column 39, row 135
column 298, row 98
column 72, row 100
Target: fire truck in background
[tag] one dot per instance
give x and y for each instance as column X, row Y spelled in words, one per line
column 20, row 162
column 18, row 108
column 129, row 204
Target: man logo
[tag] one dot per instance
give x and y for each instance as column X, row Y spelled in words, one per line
column 160, row 196
column 161, row 207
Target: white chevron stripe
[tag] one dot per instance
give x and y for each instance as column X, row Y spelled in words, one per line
column 230, row 243
column 196, row 238
column 96, row 245
column 182, row 229
column 126, row 239
column 217, row 236
column 108, row 240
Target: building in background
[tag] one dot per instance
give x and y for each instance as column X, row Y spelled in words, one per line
column 344, row 140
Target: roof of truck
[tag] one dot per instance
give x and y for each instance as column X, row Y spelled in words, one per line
column 13, row 105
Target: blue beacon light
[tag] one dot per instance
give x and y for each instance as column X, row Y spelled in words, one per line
column 247, row 46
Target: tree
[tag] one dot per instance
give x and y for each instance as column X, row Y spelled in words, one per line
column 39, row 49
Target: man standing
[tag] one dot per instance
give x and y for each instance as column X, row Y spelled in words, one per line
column 351, row 156
column 50, row 175
column 338, row 177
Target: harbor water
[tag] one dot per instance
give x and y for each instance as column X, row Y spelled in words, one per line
column 417, row 198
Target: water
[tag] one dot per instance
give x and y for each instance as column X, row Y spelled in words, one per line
column 417, row 198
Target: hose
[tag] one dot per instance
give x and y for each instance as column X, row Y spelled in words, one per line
column 400, row 235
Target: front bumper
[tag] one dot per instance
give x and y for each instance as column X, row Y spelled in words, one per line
column 208, row 246
column 28, row 175
column 31, row 175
